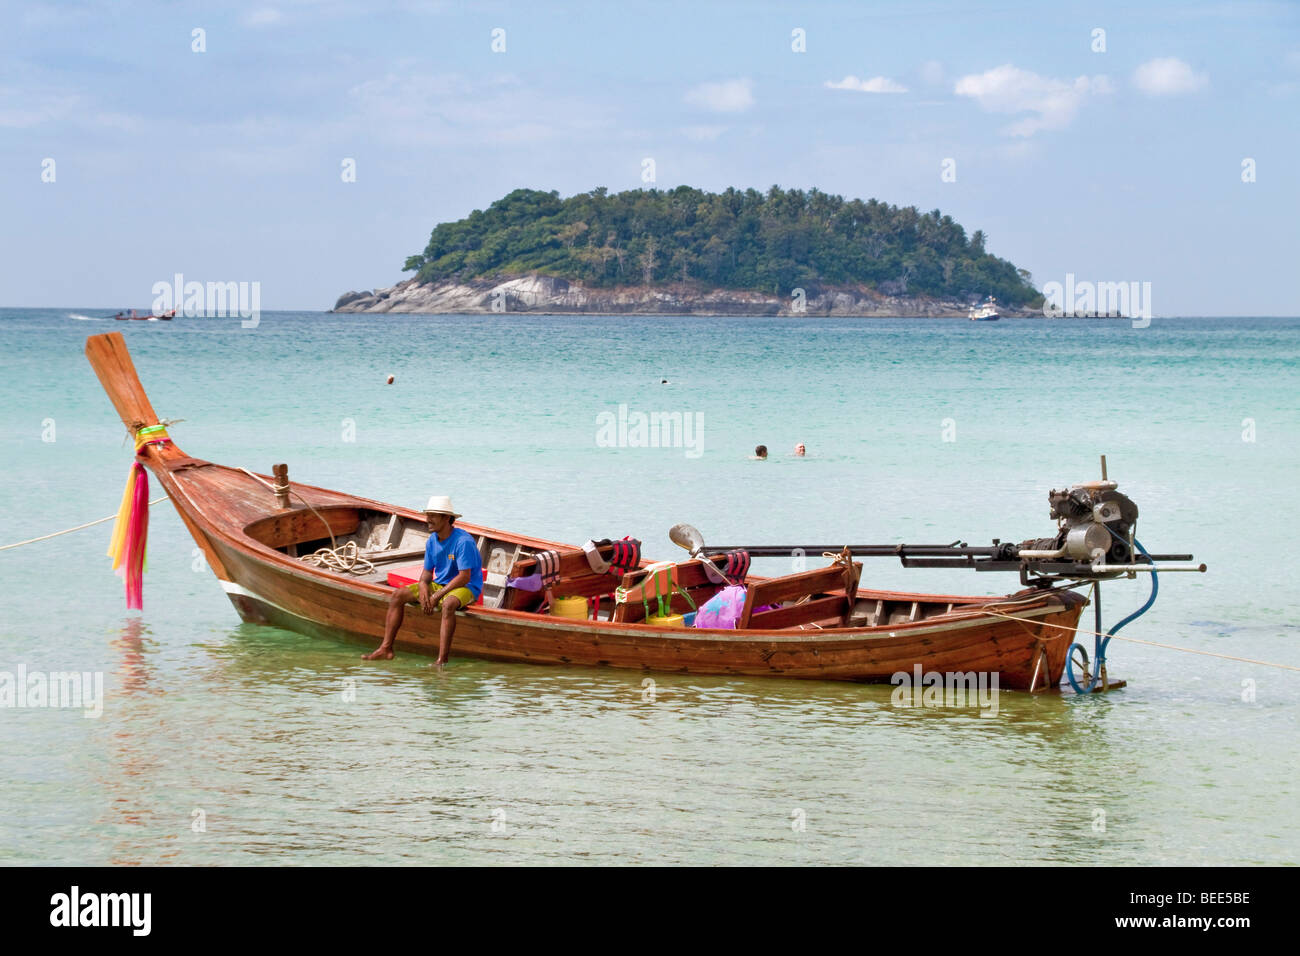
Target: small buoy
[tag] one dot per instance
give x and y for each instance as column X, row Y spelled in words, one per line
column 391, row 380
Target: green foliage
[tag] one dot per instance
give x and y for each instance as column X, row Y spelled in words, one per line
column 768, row 242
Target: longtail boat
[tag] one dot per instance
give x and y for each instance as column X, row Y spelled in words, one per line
column 261, row 535
column 132, row 315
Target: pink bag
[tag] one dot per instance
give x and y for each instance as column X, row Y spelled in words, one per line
column 723, row 609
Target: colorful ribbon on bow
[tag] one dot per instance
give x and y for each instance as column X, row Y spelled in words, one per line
column 131, row 529
column 130, row 532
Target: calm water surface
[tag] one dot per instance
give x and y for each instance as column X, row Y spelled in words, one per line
column 249, row 730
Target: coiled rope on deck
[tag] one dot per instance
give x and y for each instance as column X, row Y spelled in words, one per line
column 345, row 560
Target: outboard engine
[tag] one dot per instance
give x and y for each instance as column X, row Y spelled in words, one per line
column 1094, row 521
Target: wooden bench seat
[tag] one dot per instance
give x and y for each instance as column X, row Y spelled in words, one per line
column 829, row 594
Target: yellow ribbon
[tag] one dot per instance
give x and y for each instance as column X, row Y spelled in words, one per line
column 150, row 434
column 116, row 544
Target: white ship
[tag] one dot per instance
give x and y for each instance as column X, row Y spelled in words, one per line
column 986, row 311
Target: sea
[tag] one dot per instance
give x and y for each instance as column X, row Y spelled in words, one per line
column 220, row 742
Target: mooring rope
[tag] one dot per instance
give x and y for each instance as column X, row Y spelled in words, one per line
column 80, row 527
column 347, row 559
column 90, row 524
column 276, row 489
column 1134, row 640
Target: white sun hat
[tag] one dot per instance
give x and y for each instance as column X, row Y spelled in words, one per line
column 440, row 504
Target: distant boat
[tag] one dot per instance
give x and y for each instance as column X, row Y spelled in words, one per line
column 133, row 314
column 986, row 311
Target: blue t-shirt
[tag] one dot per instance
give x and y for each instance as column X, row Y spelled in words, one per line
column 458, row 553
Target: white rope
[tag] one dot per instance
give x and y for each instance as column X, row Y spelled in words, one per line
column 1135, row 640
column 287, row 490
column 269, row 486
column 343, row 560
column 80, row 527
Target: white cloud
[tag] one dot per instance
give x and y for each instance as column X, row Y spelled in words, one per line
column 729, row 96
column 21, row 109
column 113, row 120
column 1168, row 76
column 877, row 84
column 703, row 134
column 32, row 107
column 263, row 17
column 1052, row 102
column 411, row 108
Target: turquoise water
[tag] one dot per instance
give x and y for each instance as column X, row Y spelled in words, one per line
column 249, row 730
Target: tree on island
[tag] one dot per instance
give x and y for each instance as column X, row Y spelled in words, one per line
column 769, row 242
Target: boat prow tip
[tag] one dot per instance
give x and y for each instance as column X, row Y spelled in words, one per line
column 111, row 360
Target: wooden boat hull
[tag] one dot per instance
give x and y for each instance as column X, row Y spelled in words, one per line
column 266, row 587
column 1009, row 648
column 1023, row 638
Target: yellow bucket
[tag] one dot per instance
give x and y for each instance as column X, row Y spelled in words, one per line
column 670, row 620
column 570, row 607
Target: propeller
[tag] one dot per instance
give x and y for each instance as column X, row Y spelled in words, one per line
column 688, row 537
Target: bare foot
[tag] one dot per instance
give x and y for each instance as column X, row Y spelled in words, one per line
column 383, row 653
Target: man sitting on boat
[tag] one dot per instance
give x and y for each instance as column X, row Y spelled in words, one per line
column 452, row 578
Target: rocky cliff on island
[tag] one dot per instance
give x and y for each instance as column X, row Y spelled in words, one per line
column 689, row 252
column 549, row 295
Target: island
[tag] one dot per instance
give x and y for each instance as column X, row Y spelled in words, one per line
column 686, row 251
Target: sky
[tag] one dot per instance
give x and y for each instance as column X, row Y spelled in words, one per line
column 1117, row 142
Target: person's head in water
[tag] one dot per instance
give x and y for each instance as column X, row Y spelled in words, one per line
column 800, row 450
column 760, row 451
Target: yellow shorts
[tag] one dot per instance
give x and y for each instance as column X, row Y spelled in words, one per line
column 464, row 595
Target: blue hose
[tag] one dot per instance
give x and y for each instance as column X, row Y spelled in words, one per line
column 1099, row 648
